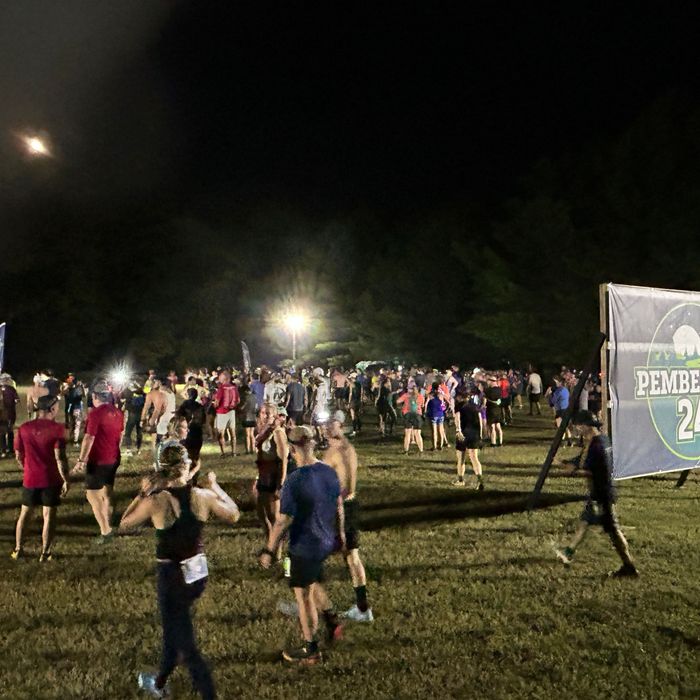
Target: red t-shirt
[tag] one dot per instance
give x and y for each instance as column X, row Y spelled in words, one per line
column 227, row 398
column 105, row 423
column 35, row 442
column 505, row 387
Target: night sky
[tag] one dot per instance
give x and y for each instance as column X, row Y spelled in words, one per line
column 221, row 110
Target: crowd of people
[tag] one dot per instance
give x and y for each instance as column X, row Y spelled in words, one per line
column 308, row 507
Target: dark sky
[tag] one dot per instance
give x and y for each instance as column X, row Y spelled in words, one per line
column 213, row 107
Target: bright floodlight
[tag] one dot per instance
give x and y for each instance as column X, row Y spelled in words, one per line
column 120, row 375
column 295, row 322
column 35, row 146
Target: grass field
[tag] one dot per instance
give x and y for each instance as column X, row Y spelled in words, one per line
column 468, row 598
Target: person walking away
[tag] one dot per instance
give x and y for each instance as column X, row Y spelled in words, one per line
column 341, row 455
column 194, row 415
column 506, row 402
column 411, row 403
column 493, row 411
column 178, row 512
column 595, row 460
column 134, row 404
column 74, row 398
column 355, row 403
column 226, row 401
column 41, row 453
column 100, row 457
column 311, row 509
column 248, row 417
column 295, row 403
column 560, row 404
column 35, row 391
column 534, row 391
column 469, row 435
column 435, row 411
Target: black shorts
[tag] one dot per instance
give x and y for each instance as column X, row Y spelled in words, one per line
column 249, row 423
column 505, row 402
column 99, row 475
column 303, row 572
column 472, row 441
column 492, row 418
column 412, row 421
column 595, row 513
column 339, row 393
column 560, row 413
column 535, row 398
column 351, row 510
column 49, row 496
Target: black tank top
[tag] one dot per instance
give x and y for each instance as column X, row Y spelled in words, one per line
column 183, row 539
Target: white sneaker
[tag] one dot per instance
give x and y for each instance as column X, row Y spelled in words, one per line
column 147, row 682
column 356, row 615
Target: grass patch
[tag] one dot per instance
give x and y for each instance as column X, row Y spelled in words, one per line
column 468, row 598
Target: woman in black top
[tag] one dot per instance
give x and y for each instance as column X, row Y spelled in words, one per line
column 178, row 511
column 469, row 433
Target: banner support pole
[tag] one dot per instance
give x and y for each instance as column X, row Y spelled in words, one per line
column 604, row 356
column 566, row 418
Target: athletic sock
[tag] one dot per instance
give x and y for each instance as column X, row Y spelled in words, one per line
column 330, row 617
column 361, row 597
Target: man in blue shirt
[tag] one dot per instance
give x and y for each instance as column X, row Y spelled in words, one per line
column 560, row 404
column 311, row 508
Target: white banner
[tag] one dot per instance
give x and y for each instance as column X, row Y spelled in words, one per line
column 654, row 379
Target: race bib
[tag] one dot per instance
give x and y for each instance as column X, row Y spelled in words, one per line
column 195, row 568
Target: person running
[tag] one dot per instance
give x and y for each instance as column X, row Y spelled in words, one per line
column 341, row 455
column 436, row 410
column 493, row 411
column 534, row 391
column 385, row 409
column 154, row 404
column 296, row 401
column 312, row 510
column 178, row 512
column 272, row 454
column 320, row 403
column 40, row 450
column 100, row 457
column 226, row 401
column 134, row 401
column 8, row 415
column 595, row 460
column 560, row 404
column 168, row 406
column 35, row 391
column 412, row 403
column 469, row 435
column 506, row 399
column 74, row 397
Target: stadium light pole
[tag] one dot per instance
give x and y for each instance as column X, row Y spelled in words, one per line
column 295, row 323
column 36, row 147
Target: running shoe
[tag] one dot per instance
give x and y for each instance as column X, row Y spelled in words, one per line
column 625, row 571
column 479, row 485
column 459, row 482
column 302, row 656
column 356, row 615
column 565, row 554
column 16, row 554
column 147, row 682
column 45, row 557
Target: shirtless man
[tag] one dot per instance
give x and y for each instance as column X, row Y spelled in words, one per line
column 35, row 391
column 342, row 457
column 154, row 407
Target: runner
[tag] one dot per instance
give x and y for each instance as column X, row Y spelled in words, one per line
column 341, row 455
column 469, row 436
column 100, row 457
column 560, row 404
column 320, row 402
column 35, row 391
column 74, row 397
column 355, row 403
column 167, row 389
column 178, row 511
column 226, row 401
column 295, row 401
column 312, row 510
column 41, row 453
column 249, row 418
column 596, row 461
column 272, row 454
column 506, row 399
column 534, row 391
column 436, row 410
column 385, row 409
column 194, row 416
column 411, row 403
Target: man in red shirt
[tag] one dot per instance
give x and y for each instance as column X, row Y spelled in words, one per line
column 226, row 400
column 100, row 457
column 40, row 448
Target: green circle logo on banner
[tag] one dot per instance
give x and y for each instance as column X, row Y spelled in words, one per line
column 671, row 381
